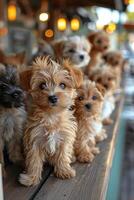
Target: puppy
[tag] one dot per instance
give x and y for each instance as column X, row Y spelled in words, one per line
column 108, row 80
column 76, row 48
column 12, row 113
column 100, row 44
column 115, row 60
column 88, row 109
column 51, row 128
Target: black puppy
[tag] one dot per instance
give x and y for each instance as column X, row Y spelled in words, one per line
column 12, row 113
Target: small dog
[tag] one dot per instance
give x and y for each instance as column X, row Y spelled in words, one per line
column 100, row 44
column 12, row 113
column 51, row 128
column 115, row 60
column 107, row 78
column 88, row 109
column 76, row 48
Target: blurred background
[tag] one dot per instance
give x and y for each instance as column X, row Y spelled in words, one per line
column 24, row 22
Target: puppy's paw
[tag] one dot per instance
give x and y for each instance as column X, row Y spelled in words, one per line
column 66, row 173
column 95, row 150
column 102, row 136
column 107, row 121
column 28, row 180
column 85, row 158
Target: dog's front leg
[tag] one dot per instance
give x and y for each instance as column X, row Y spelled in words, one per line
column 61, row 162
column 34, row 165
column 15, row 149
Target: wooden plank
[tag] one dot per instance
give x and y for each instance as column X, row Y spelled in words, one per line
column 91, row 181
column 14, row 191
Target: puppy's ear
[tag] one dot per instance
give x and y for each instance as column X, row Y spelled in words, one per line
column 76, row 73
column 25, row 78
column 101, row 89
column 91, row 36
column 58, row 47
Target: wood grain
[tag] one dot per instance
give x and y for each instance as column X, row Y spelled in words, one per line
column 14, row 191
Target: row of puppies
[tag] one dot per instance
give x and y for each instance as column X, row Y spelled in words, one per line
column 85, row 141
column 53, row 131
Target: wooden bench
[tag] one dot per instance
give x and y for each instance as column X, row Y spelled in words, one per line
column 91, row 181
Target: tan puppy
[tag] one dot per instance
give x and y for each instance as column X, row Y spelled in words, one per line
column 76, row 48
column 107, row 78
column 100, row 44
column 115, row 60
column 51, row 128
column 88, row 111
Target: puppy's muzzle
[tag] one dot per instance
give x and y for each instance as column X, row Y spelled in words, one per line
column 53, row 99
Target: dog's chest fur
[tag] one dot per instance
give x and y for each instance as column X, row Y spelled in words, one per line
column 53, row 141
column 108, row 106
column 56, row 131
column 90, row 127
column 11, row 122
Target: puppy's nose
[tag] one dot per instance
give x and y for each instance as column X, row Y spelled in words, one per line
column 81, row 57
column 88, row 106
column 53, row 99
column 105, row 47
column 106, row 86
column 16, row 94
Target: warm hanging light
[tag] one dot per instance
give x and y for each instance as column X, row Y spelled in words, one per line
column 75, row 24
column 43, row 17
column 12, row 12
column 111, row 28
column 62, row 24
column 129, row 2
column 49, row 33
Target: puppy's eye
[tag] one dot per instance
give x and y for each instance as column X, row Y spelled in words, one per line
column 80, row 98
column 62, row 85
column 94, row 97
column 110, row 79
column 98, row 41
column 43, row 86
column 71, row 50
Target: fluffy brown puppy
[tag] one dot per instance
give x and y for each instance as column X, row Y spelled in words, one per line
column 88, row 111
column 76, row 48
column 51, row 128
column 100, row 44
